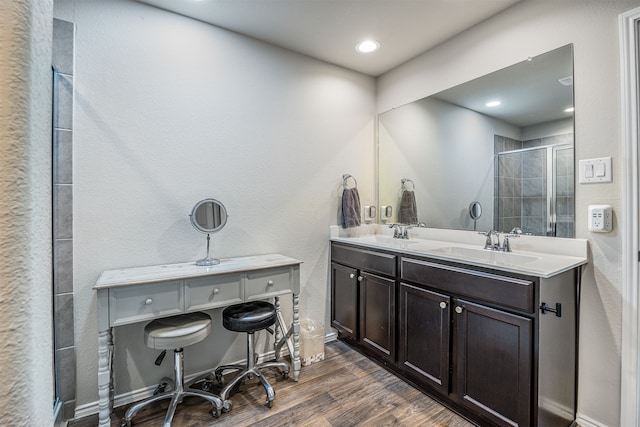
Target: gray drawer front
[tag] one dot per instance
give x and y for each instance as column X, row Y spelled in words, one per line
column 214, row 291
column 505, row 291
column 266, row 283
column 375, row 262
column 130, row 304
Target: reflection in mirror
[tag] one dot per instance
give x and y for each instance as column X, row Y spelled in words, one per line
column 475, row 212
column 208, row 216
column 515, row 157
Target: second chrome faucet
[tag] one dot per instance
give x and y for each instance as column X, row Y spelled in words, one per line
column 492, row 241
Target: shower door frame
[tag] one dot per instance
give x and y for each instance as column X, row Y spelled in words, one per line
column 550, row 226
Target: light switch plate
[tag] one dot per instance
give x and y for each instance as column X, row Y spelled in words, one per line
column 595, row 170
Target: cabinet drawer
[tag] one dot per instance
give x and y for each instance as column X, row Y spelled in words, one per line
column 375, row 262
column 493, row 288
column 130, row 304
column 266, row 283
column 210, row 292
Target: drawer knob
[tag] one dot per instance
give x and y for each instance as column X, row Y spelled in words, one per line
column 360, row 278
column 351, row 276
column 148, row 301
column 458, row 309
column 216, row 291
column 443, row 305
column 270, row 283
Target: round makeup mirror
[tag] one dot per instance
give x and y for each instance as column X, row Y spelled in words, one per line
column 208, row 216
column 475, row 212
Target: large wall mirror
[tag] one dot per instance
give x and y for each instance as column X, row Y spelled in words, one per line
column 504, row 140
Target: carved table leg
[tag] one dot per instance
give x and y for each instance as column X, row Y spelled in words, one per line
column 278, row 329
column 105, row 384
column 296, row 337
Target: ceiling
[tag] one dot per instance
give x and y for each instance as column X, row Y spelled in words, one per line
column 530, row 92
column 330, row 29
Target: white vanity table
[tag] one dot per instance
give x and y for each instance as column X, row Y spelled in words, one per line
column 142, row 294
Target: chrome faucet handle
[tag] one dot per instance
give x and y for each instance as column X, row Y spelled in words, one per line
column 396, row 230
column 506, row 245
column 492, row 240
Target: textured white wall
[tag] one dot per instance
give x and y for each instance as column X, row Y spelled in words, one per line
column 26, row 348
column 169, row 111
column 528, row 29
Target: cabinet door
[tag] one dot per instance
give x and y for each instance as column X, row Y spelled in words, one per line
column 344, row 300
column 423, row 345
column 493, row 363
column 377, row 314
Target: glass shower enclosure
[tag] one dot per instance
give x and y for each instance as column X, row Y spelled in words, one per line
column 534, row 191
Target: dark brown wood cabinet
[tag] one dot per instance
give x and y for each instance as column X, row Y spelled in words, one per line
column 423, row 343
column 378, row 315
column 474, row 338
column 363, row 292
column 493, row 365
column 344, row 297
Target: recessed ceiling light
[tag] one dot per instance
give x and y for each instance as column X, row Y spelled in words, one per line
column 492, row 103
column 569, row 110
column 367, row 46
column 566, row 81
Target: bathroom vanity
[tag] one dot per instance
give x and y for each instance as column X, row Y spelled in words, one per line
column 142, row 294
column 490, row 335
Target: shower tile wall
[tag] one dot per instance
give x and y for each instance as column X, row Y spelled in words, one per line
column 520, row 180
column 65, row 356
column 565, row 191
column 534, row 192
column 508, row 179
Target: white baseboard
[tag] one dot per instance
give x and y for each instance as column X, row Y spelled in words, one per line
column 584, row 421
column 127, row 398
column 331, row 336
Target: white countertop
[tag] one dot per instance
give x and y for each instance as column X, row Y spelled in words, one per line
column 156, row 273
column 531, row 255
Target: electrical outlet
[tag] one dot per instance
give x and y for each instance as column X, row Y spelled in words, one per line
column 600, row 218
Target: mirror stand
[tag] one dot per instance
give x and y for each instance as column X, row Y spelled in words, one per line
column 208, row 216
column 208, row 260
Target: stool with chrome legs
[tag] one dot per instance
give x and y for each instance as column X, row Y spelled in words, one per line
column 174, row 333
column 250, row 317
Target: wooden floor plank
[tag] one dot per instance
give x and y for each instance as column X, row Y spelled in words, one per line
column 346, row 389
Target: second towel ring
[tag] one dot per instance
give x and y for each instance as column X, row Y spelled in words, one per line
column 345, row 178
column 404, row 184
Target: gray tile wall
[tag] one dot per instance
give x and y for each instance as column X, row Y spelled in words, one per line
column 565, row 193
column 65, row 356
column 507, row 184
column 520, row 182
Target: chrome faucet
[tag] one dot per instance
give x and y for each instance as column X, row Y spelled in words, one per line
column 400, row 231
column 493, row 241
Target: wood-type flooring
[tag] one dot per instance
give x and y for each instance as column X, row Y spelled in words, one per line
column 345, row 389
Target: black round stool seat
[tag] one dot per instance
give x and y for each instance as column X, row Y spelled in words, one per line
column 249, row 316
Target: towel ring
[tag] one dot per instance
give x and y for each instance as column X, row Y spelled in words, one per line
column 405, row 181
column 345, row 178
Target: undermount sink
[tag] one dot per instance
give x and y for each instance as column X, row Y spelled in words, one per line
column 486, row 256
column 385, row 240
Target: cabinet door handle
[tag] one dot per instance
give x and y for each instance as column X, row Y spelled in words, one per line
column 360, row 278
column 443, row 305
column 458, row 309
column 216, row 290
column 270, row 283
column 148, row 301
column 351, row 276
